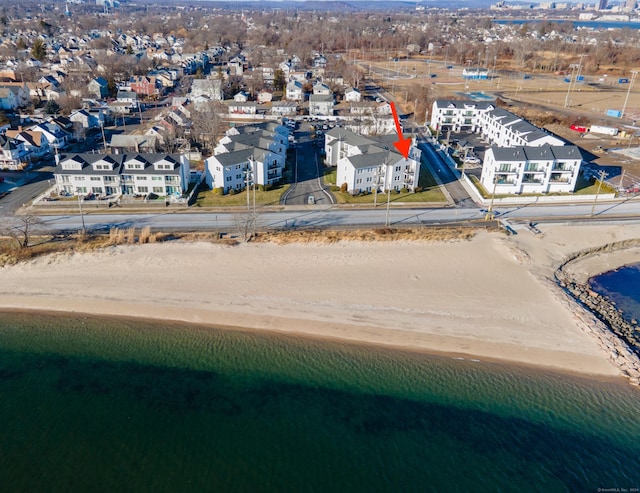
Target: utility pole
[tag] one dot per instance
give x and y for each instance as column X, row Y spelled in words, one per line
column 247, row 176
column 602, row 174
column 386, row 222
column 626, row 99
column 566, row 99
column 80, row 199
column 376, row 177
column 490, row 215
column 104, row 139
column 493, row 74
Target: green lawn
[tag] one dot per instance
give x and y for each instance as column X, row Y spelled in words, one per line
column 583, row 187
column 586, row 187
column 430, row 191
column 207, row 198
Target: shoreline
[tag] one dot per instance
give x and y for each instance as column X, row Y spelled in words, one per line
column 440, row 346
column 491, row 298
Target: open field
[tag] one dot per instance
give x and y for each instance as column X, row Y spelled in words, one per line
column 544, row 98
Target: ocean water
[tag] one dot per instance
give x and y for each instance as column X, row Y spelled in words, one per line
column 623, row 287
column 105, row 404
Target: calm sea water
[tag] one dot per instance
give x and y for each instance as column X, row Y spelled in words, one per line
column 622, row 286
column 113, row 405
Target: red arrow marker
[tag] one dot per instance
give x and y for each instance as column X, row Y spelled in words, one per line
column 403, row 144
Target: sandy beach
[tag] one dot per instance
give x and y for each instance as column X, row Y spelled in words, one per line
column 489, row 297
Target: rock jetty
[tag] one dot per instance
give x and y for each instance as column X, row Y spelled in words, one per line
column 619, row 337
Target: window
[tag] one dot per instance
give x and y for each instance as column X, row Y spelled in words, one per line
column 228, row 178
column 397, row 168
column 158, row 190
column 95, row 178
column 143, row 189
column 96, row 189
column 156, row 178
column 140, row 178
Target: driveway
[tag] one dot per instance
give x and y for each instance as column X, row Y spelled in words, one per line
column 307, row 174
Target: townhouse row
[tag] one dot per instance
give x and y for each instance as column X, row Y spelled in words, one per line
column 109, row 175
column 522, row 158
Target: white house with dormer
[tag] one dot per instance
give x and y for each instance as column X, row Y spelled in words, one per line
column 294, row 91
column 321, row 104
column 321, row 89
column 352, row 95
column 35, row 144
column 13, row 155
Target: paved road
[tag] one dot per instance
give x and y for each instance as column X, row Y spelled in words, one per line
column 324, row 217
column 448, row 178
column 307, row 175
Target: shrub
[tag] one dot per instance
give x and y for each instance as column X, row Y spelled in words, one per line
column 219, row 191
column 232, row 191
column 404, row 190
column 334, row 188
column 344, row 187
column 145, row 233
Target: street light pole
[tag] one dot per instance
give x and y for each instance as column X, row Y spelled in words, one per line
column 626, row 99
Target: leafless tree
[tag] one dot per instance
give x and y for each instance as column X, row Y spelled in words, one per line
column 21, row 228
column 207, row 124
column 246, row 224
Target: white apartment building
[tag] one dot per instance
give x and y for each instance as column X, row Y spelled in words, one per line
column 252, row 154
column 366, row 164
column 522, row 159
column 542, row 169
column 501, row 127
column 122, row 174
